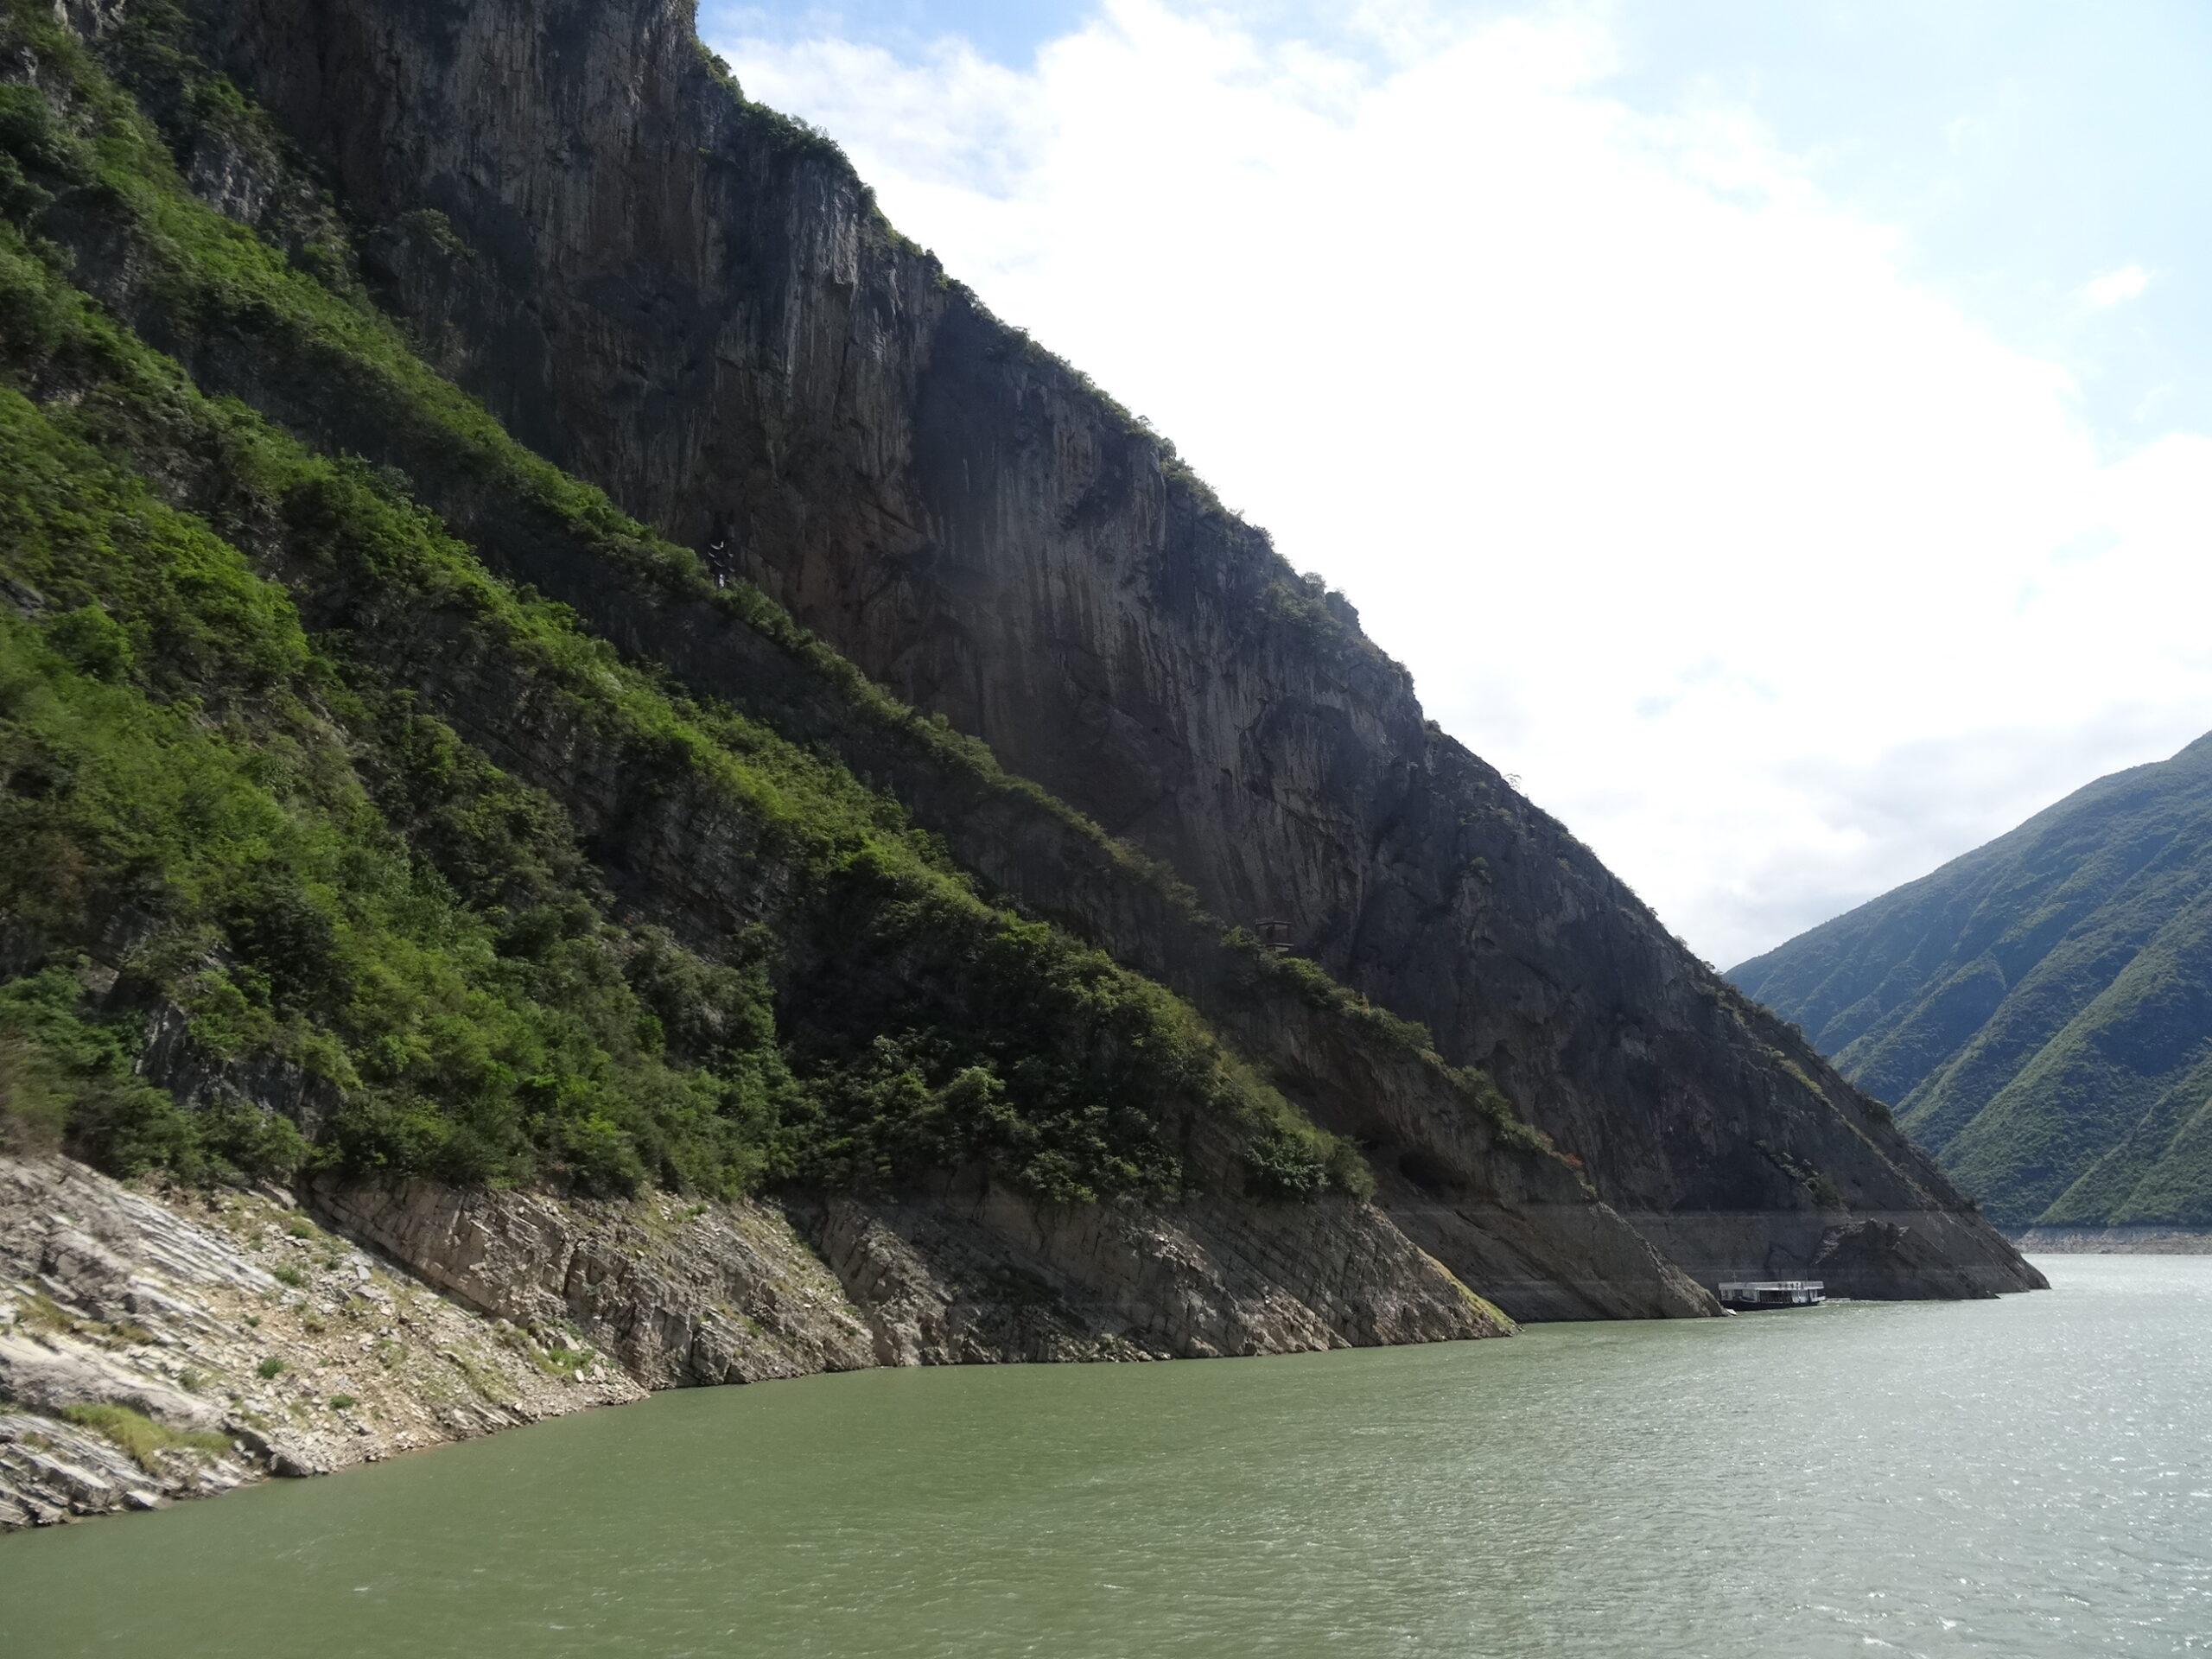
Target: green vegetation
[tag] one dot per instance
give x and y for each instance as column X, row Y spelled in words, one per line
column 1286, row 1167
column 142, row 1438
column 40, row 1312
column 786, row 135
column 2039, row 1009
column 270, row 1369
column 34, row 1100
column 256, row 841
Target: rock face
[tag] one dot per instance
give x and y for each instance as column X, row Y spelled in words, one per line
column 705, row 1294
column 2039, row 1009
column 262, row 1342
column 249, row 1340
column 691, row 849
column 1508, row 1219
column 52, row 1471
column 692, row 302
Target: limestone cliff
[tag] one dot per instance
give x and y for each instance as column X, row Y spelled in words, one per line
column 340, row 851
column 694, row 302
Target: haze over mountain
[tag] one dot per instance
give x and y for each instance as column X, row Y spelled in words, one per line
column 2040, row 1010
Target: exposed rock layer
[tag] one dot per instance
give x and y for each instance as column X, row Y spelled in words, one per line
column 2114, row 1240
column 730, row 1293
column 177, row 1305
column 682, row 298
column 233, row 1315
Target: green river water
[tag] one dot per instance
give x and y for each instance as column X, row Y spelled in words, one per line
column 2024, row 1478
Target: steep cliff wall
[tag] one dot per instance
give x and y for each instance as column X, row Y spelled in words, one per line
column 693, row 302
column 623, row 917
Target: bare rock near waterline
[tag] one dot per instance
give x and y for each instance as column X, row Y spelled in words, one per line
column 675, row 1292
column 2115, row 1241
column 967, row 1272
column 683, row 1293
column 249, row 1339
column 258, row 1337
column 52, row 1471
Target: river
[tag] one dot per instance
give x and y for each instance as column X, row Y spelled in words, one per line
column 2024, row 1478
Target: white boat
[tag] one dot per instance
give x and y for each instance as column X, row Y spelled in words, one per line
column 1773, row 1293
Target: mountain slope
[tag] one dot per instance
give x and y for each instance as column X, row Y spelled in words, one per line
column 2042, row 1008
column 339, row 855
column 693, row 303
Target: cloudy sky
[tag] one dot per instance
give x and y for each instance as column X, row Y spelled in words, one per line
column 1778, row 434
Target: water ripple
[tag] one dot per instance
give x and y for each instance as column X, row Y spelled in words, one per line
column 2026, row 1479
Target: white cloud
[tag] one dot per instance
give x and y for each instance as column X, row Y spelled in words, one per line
column 1775, row 576
column 2115, row 288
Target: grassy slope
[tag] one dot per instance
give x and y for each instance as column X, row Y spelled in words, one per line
column 2042, row 1008
column 227, row 803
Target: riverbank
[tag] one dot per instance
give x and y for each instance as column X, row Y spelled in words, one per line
column 2029, row 1476
column 2113, row 1241
column 201, row 1340
column 162, row 1343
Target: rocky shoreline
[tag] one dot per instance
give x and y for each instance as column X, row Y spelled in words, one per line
column 161, row 1343
column 2113, row 1241
column 238, row 1339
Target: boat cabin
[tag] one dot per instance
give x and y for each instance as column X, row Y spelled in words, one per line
column 1774, row 1292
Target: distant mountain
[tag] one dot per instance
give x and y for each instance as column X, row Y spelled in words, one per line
column 2040, row 1010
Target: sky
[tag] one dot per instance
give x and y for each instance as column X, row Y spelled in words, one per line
column 1779, row 436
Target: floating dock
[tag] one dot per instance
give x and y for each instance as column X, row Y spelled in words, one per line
column 1774, row 1292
